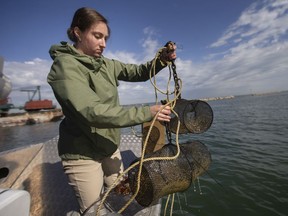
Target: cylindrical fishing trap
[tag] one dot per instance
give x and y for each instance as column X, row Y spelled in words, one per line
column 195, row 116
column 162, row 177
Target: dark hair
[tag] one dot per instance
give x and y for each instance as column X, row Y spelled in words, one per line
column 83, row 19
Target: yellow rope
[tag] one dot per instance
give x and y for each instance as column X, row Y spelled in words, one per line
column 134, row 133
column 172, row 204
column 153, row 69
column 166, row 205
column 170, row 103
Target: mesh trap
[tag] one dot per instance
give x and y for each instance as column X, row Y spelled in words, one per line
column 195, row 116
column 162, row 177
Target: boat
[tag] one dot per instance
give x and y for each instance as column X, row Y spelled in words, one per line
column 32, row 182
column 5, row 89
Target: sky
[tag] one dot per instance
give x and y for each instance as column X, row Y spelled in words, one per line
column 224, row 47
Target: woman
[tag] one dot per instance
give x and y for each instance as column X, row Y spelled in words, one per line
column 85, row 84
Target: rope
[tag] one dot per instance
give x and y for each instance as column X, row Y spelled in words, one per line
column 172, row 204
column 135, row 133
column 171, row 103
column 166, row 205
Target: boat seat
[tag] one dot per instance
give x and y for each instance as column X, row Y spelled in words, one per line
column 14, row 202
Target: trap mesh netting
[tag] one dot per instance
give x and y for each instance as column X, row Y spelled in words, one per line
column 162, row 177
column 195, row 116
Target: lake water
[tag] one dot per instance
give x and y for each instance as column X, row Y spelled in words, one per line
column 248, row 141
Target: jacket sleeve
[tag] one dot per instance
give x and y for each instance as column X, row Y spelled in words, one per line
column 71, row 88
column 136, row 73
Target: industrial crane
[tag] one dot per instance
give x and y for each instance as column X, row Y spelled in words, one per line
column 38, row 104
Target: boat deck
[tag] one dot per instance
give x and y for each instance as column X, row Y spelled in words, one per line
column 38, row 170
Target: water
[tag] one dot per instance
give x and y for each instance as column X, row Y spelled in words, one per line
column 249, row 145
column 248, row 141
column 21, row 136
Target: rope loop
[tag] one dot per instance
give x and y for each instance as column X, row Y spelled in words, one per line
column 168, row 102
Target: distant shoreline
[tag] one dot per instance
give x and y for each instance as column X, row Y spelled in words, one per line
column 232, row 96
column 217, row 98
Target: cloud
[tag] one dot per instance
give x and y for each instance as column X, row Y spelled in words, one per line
column 124, row 56
column 250, row 56
column 249, row 71
column 149, row 44
column 261, row 24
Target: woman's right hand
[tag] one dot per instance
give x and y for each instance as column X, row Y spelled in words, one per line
column 164, row 112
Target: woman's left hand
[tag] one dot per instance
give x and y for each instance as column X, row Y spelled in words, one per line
column 169, row 52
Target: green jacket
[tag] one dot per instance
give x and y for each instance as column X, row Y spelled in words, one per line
column 86, row 89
